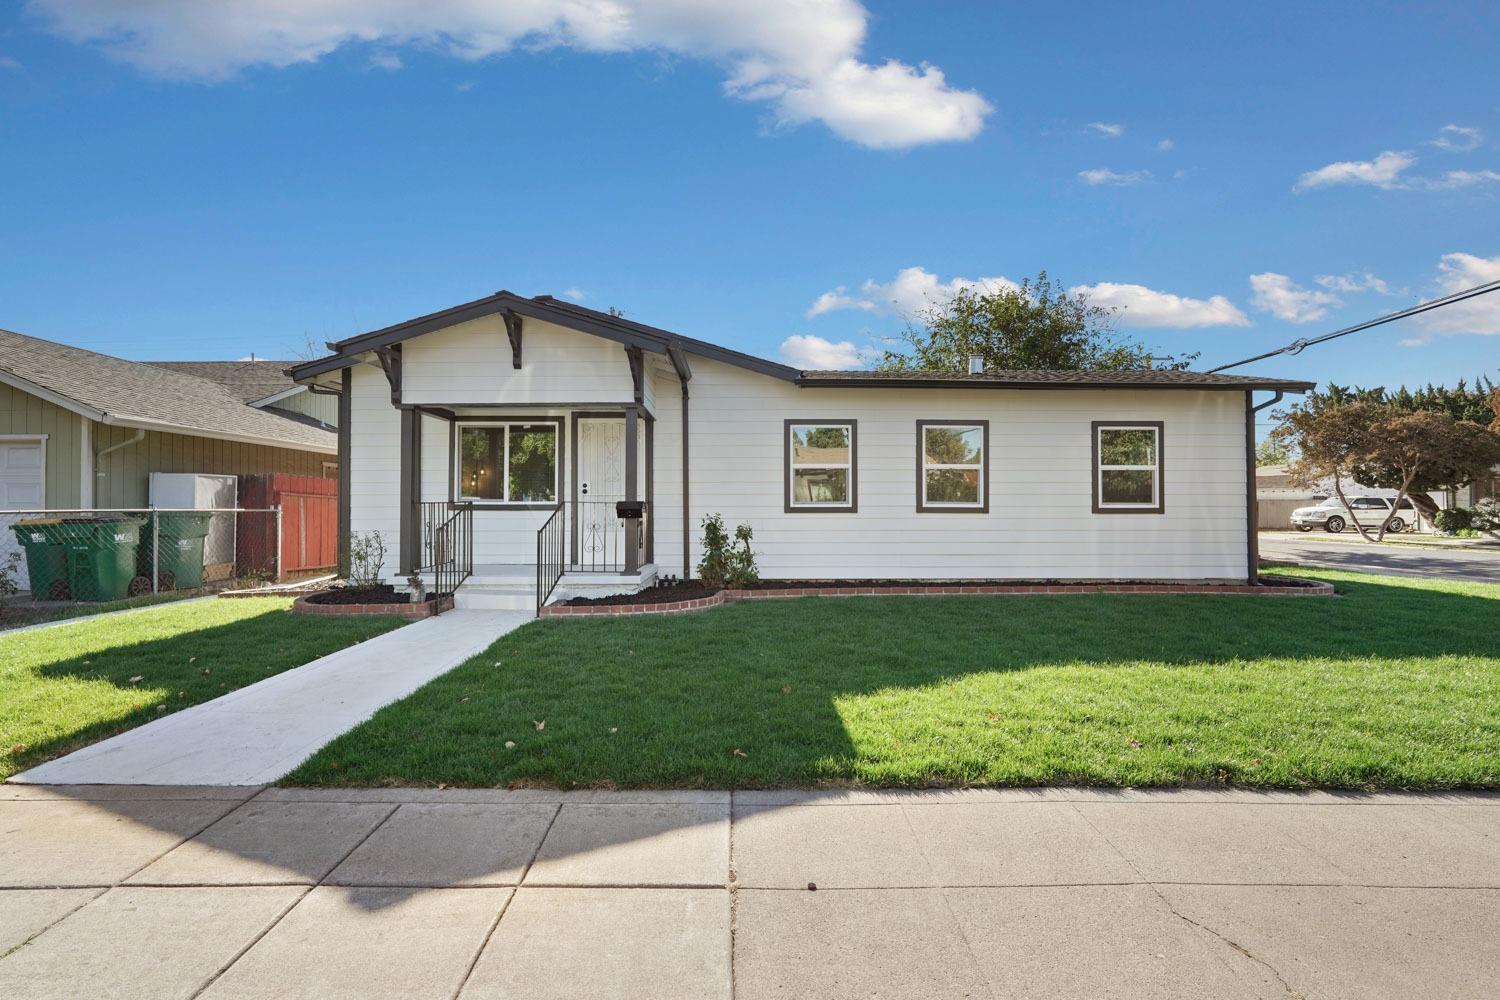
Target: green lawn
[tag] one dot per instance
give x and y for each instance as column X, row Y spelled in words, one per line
column 73, row 684
column 1396, row 683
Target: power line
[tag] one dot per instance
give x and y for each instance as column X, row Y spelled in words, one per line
column 1298, row 346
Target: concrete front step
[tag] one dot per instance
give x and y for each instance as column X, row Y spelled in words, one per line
column 496, row 597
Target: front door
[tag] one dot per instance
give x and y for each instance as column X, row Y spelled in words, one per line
column 599, row 536
column 597, row 531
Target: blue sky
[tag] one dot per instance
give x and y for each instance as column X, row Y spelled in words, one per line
column 180, row 182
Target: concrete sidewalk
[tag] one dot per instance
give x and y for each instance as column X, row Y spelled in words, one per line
column 538, row 894
column 258, row 733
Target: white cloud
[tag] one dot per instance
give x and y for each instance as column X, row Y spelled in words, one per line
column 1383, row 172
column 1166, row 146
column 1283, row 298
column 465, row 87
column 1456, row 179
column 1353, row 283
column 1142, row 306
column 575, row 293
column 910, row 293
column 812, row 353
column 387, row 60
column 802, row 58
column 1111, row 129
column 10, row 63
column 1457, row 139
column 1481, row 314
column 1103, row 175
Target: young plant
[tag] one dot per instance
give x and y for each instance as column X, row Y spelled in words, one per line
column 726, row 563
column 366, row 558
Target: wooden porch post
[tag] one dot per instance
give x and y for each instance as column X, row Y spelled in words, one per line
column 632, row 525
column 410, row 498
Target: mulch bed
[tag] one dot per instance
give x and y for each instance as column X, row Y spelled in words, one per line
column 383, row 594
column 677, row 594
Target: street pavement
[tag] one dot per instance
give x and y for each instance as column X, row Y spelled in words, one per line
column 1317, row 549
column 118, row 891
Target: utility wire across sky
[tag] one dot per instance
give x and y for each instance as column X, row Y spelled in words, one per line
column 1298, row 346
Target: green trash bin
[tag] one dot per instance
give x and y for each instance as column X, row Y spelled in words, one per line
column 101, row 557
column 179, row 555
column 46, row 559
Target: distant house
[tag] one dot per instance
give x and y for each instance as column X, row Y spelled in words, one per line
column 82, row 430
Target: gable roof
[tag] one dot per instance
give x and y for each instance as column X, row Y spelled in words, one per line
column 251, row 381
column 633, row 334
column 113, row 390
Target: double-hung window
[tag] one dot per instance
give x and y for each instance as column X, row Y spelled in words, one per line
column 1127, row 467
column 953, row 465
column 507, row 463
column 821, row 471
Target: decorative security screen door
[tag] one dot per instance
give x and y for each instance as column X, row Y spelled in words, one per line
column 599, row 534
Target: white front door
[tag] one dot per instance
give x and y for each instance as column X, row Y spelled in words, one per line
column 600, row 485
column 22, row 466
column 600, row 534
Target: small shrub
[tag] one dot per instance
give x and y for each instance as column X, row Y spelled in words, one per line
column 1451, row 520
column 1485, row 515
column 366, row 558
column 725, row 563
column 10, row 577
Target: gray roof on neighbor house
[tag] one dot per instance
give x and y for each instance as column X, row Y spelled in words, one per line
column 249, row 380
column 135, row 394
column 634, row 334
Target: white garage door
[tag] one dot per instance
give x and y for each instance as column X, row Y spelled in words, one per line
column 21, row 470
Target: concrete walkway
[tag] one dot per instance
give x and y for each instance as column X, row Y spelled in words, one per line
column 257, row 734
column 712, row 895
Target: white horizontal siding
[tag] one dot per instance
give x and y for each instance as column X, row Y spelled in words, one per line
column 375, row 461
column 471, row 363
column 1040, row 522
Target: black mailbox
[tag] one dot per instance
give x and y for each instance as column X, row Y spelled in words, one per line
column 630, row 510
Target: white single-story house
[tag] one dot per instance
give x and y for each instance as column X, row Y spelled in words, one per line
column 493, row 435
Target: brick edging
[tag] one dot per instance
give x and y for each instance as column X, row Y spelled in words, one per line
column 413, row 611
column 1316, row 589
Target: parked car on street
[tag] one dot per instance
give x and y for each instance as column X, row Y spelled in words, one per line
column 1333, row 515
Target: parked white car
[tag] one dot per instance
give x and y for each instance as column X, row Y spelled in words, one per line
column 1332, row 515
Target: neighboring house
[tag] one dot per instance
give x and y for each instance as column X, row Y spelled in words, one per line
column 81, row 430
column 522, row 407
column 1278, row 496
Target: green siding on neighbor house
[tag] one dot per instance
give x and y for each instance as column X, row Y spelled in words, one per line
column 23, row 413
column 320, row 406
column 122, row 477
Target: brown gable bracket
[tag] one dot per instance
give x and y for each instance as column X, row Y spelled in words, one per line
column 637, row 372
column 390, row 363
column 513, row 331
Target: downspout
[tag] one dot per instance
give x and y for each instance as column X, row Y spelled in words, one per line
column 687, row 571
column 140, row 435
column 1252, row 511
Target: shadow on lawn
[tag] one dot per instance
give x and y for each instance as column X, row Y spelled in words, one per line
column 165, row 675
column 661, row 680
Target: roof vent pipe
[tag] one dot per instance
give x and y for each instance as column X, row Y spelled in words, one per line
column 976, row 365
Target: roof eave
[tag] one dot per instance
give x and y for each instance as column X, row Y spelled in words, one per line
column 930, row 383
column 52, row 396
column 166, row 427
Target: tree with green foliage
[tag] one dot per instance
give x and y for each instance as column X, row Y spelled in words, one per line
column 1038, row 324
column 1462, row 402
column 1411, row 451
column 1272, row 452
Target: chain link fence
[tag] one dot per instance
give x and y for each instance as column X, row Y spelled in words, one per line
column 108, row 555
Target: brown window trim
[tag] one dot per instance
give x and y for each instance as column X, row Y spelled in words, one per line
column 455, row 433
column 984, row 470
column 852, row 507
column 1160, row 506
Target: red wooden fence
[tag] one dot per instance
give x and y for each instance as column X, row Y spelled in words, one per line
column 309, row 521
